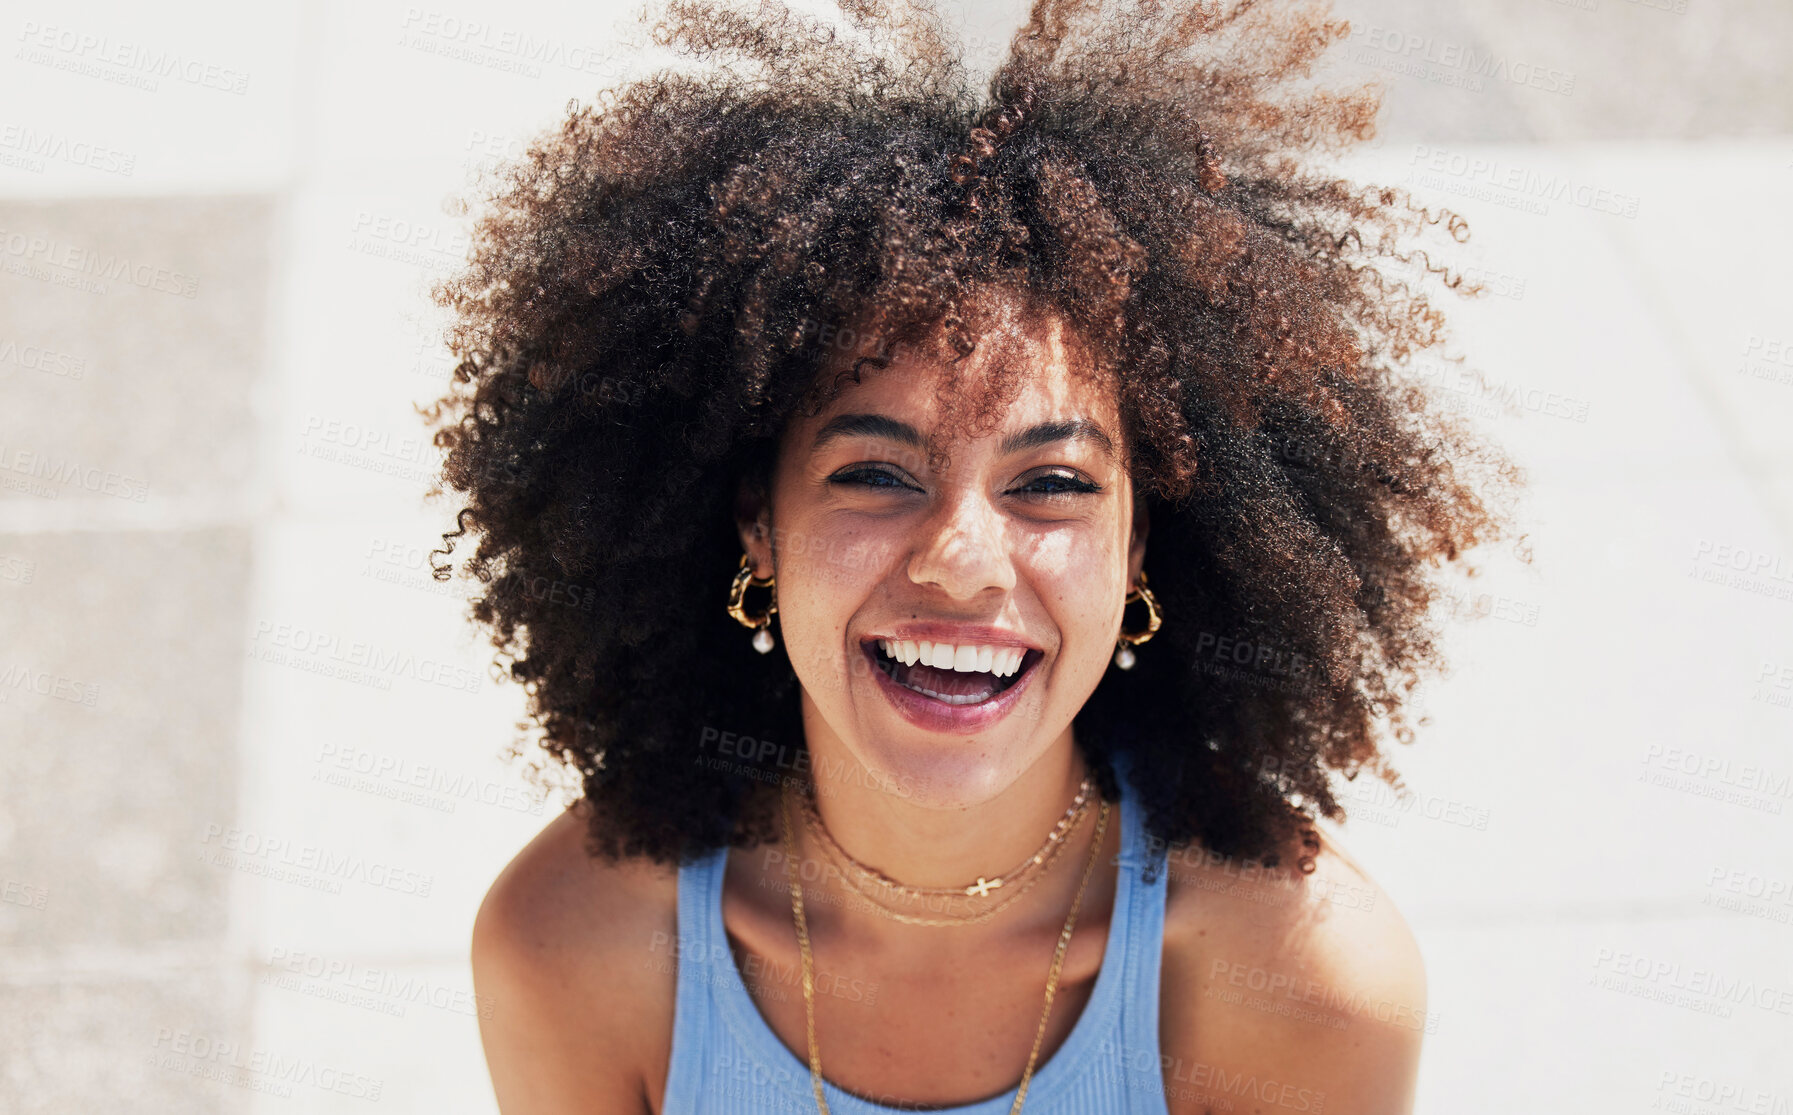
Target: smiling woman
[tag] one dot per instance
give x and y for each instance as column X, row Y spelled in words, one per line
column 1021, row 542
column 905, row 390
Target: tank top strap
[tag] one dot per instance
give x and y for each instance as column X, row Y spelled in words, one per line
column 1135, row 1055
column 695, row 1025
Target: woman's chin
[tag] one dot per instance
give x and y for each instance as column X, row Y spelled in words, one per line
column 939, row 771
column 934, row 759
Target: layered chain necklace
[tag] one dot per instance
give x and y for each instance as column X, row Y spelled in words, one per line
column 1053, row 841
column 1018, row 880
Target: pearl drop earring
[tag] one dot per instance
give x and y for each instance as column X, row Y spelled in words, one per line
column 762, row 623
column 1123, row 654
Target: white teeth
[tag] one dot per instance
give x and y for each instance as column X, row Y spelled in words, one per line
column 968, row 658
column 952, row 698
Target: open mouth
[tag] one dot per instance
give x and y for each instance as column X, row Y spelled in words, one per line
column 929, row 676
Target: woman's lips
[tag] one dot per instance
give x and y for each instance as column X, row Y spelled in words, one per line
column 953, row 701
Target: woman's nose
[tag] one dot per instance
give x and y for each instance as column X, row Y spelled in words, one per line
column 963, row 548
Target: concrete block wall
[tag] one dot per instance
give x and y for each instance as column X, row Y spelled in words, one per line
column 252, row 754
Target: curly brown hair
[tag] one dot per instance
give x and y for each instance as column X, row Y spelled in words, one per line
column 654, row 287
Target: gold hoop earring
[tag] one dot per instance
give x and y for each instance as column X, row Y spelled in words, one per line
column 737, row 592
column 1123, row 654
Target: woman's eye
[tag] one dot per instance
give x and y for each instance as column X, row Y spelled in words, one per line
column 1059, row 483
column 1049, row 484
column 870, row 478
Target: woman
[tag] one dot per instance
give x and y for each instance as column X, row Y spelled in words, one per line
column 955, row 541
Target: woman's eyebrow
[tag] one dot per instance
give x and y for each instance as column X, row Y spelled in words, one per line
column 868, row 425
column 1068, row 429
column 1034, row 437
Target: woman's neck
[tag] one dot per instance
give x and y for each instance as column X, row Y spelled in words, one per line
column 916, row 841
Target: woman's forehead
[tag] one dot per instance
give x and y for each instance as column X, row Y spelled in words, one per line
column 1025, row 371
column 1014, row 396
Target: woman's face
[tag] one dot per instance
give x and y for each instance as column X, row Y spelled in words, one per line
column 946, row 626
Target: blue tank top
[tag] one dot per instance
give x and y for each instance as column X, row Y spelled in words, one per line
column 727, row 1061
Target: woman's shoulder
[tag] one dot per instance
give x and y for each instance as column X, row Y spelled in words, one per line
column 1312, row 981
column 575, row 969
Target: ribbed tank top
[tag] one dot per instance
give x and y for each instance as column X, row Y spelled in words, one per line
column 727, row 1061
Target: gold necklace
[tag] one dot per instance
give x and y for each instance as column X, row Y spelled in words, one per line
column 809, row 995
column 981, row 916
column 983, row 886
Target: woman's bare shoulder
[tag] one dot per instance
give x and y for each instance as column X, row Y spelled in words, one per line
column 575, row 970
column 1312, row 981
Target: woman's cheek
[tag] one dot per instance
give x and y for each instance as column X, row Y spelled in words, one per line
column 816, row 639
